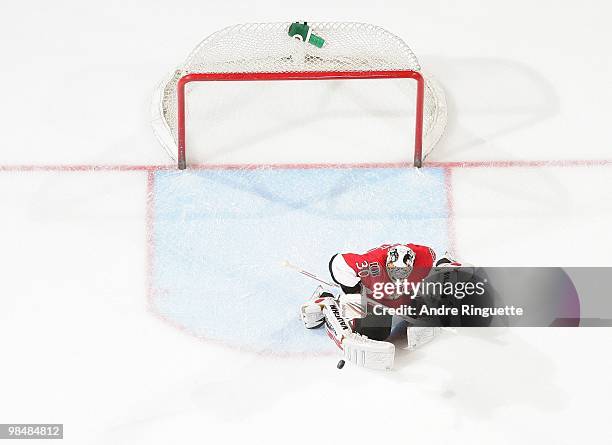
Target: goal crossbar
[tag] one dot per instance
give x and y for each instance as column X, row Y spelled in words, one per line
column 306, row 75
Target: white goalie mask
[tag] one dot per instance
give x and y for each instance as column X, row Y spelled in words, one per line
column 400, row 262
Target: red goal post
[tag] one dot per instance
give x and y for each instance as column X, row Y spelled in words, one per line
column 320, row 75
column 363, row 51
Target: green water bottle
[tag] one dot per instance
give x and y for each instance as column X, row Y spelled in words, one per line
column 302, row 32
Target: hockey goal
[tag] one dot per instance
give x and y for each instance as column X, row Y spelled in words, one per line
column 268, row 52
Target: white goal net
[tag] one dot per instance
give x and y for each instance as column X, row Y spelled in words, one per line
column 254, row 51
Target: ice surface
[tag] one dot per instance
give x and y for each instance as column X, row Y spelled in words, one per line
column 525, row 81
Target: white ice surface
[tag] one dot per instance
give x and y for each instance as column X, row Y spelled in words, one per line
column 525, row 81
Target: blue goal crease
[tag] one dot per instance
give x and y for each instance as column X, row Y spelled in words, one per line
column 221, row 236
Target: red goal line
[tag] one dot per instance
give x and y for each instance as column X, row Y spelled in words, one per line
column 431, row 164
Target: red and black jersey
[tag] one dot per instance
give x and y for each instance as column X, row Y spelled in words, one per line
column 370, row 267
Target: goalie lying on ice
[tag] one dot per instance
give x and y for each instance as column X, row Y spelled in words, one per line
column 356, row 331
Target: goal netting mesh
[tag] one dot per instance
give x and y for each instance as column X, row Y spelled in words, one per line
column 267, row 48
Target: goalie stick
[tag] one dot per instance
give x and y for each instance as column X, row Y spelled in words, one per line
column 286, row 263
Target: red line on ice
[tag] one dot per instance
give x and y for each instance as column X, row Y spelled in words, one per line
column 149, row 236
column 432, row 164
column 450, row 204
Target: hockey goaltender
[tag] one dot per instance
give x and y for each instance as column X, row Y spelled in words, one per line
column 359, row 319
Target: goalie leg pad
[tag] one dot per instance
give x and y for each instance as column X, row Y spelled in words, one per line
column 368, row 353
column 417, row 336
column 357, row 349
